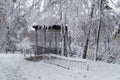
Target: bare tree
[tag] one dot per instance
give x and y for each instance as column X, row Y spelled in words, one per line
column 88, row 33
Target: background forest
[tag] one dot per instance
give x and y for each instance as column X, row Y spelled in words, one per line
column 93, row 25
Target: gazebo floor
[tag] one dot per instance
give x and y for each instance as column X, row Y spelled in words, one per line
column 34, row 58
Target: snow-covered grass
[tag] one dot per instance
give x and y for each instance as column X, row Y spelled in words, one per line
column 15, row 67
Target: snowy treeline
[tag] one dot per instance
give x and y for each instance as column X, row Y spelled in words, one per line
column 93, row 24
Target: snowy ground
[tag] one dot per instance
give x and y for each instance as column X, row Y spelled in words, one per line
column 14, row 67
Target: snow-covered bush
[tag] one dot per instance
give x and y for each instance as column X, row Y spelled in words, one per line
column 76, row 50
column 116, row 31
column 25, row 45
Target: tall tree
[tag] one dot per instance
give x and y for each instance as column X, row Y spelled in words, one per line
column 89, row 31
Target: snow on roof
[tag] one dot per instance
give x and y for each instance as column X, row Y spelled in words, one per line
column 48, row 21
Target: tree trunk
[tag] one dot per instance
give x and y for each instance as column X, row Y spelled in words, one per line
column 99, row 29
column 88, row 34
column 98, row 36
column 86, row 45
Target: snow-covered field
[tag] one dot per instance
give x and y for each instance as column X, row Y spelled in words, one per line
column 15, row 67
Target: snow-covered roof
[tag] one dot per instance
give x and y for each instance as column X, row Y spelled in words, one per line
column 48, row 21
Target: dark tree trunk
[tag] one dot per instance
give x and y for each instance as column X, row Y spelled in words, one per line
column 86, row 46
column 88, row 34
column 99, row 29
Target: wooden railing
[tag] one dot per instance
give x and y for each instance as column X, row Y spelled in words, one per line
column 66, row 62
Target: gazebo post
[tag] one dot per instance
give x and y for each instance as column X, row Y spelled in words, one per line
column 44, row 39
column 62, row 32
column 36, row 40
column 55, row 42
column 64, row 41
column 36, row 52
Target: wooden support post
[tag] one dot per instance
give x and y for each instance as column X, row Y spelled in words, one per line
column 55, row 42
column 62, row 46
column 36, row 52
column 36, row 39
column 66, row 41
column 63, row 41
column 43, row 39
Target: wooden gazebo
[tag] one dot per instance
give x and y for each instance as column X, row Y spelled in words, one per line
column 51, row 39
